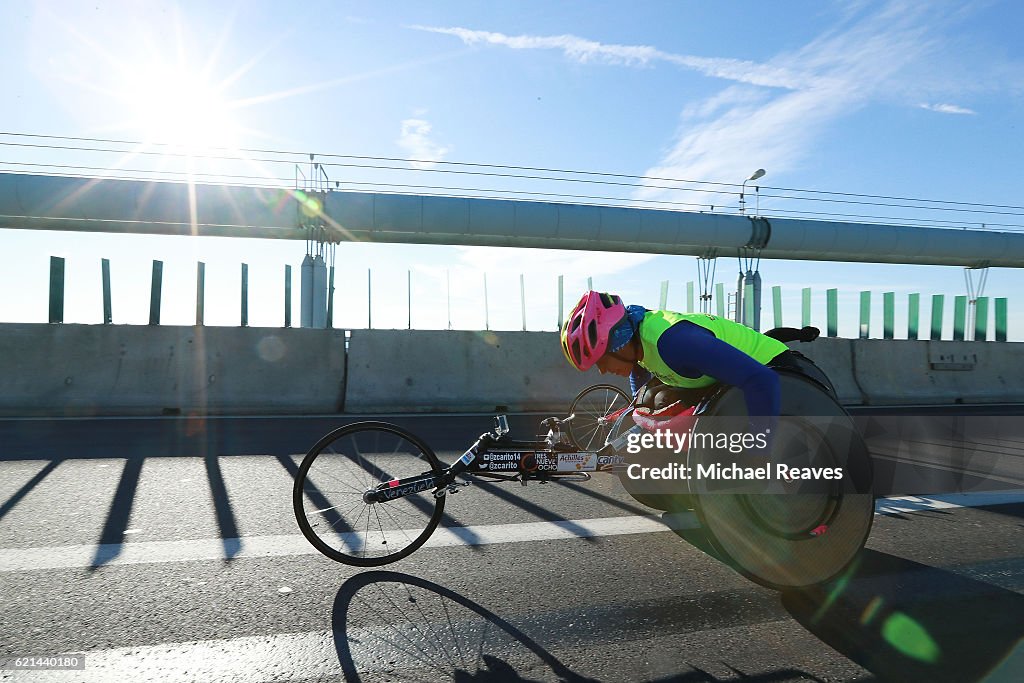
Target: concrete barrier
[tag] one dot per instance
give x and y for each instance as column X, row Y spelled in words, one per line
column 421, row 370
column 834, row 357
column 143, row 370
column 938, row 372
column 55, row 370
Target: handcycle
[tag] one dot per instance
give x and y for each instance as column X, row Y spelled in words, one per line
column 371, row 493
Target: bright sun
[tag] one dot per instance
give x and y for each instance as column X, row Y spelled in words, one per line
column 170, row 105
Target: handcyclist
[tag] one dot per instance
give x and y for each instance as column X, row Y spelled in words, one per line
column 689, row 353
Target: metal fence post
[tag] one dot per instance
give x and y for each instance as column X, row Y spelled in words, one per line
column 938, row 301
column 56, row 289
column 560, row 300
column 1001, row 319
column 200, row 293
column 981, row 319
column 245, row 295
column 832, row 312
column 108, row 315
column 913, row 315
column 889, row 315
column 865, row 315
column 287, row 296
column 330, row 296
column 777, row 305
column 959, row 317
column 805, row 307
column 522, row 297
column 156, row 285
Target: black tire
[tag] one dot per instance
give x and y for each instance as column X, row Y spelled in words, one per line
column 588, row 430
column 773, row 537
column 327, row 497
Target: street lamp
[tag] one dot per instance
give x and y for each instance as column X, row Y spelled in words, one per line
column 743, row 188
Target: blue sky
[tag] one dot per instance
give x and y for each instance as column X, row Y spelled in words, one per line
column 906, row 99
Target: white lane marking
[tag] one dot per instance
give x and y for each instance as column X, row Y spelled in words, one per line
column 27, row 559
column 277, row 657
column 946, row 501
column 248, row 547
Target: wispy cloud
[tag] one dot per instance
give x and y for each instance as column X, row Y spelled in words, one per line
column 589, row 51
column 417, row 142
column 773, row 113
column 947, row 109
column 867, row 58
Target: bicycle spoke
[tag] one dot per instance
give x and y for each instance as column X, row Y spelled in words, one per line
column 397, row 525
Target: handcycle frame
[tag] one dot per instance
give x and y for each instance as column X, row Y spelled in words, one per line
column 532, row 459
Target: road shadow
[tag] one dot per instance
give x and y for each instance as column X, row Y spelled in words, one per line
column 111, row 542
column 27, row 487
column 419, row 628
column 906, row 621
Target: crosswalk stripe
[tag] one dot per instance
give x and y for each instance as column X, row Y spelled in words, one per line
column 248, row 547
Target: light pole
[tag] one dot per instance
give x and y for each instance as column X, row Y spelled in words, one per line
column 743, row 188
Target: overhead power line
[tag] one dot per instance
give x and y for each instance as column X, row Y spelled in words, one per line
column 498, row 171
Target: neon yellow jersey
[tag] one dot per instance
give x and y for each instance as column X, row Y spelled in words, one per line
column 655, row 323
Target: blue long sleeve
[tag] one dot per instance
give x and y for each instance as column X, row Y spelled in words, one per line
column 692, row 351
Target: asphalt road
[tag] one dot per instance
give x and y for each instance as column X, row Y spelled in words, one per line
column 191, row 568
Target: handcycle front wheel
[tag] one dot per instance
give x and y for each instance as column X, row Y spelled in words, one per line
column 328, row 494
column 588, row 429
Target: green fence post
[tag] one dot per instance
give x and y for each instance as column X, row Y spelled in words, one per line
column 889, row 315
column 663, row 301
column 287, row 296
column 245, row 295
column 561, row 279
column 865, row 315
column 913, row 315
column 108, row 316
column 56, row 289
column 777, row 305
column 1001, row 319
column 689, row 297
column 156, row 285
column 832, row 311
column 720, row 299
column 200, row 293
column 938, row 300
column 981, row 319
column 805, row 312
column 959, row 317
column 748, row 304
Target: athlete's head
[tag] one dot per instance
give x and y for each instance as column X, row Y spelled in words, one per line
column 590, row 330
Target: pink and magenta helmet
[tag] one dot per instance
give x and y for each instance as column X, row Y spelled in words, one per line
column 586, row 330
